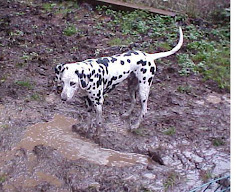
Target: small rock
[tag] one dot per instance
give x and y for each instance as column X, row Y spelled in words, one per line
column 149, row 176
column 155, row 156
column 214, row 99
column 51, row 98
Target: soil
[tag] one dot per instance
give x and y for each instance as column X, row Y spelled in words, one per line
column 183, row 141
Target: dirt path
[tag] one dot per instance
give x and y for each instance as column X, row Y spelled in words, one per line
column 183, row 142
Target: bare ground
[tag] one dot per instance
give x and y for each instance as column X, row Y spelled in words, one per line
column 185, row 136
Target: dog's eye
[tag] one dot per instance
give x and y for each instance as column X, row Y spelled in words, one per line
column 72, row 83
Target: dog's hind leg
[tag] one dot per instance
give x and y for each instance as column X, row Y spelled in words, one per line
column 132, row 89
column 144, row 89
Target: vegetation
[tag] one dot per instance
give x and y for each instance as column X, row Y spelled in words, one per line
column 170, row 131
column 218, row 142
column 171, row 180
column 25, row 84
column 207, row 46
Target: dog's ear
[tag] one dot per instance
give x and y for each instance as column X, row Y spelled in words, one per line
column 83, row 79
column 58, row 74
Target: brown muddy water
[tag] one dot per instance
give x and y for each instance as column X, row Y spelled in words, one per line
column 58, row 134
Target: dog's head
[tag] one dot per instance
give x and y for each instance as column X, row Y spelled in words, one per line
column 71, row 77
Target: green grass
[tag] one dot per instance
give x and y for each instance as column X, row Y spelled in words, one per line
column 170, row 131
column 184, row 89
column 49, row 6
column 116, row 41
column 70, row 30
column 206, row 49
column 25, row 84
column 171, row 180
column 218, row 142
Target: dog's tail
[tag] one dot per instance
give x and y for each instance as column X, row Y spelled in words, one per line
column 174, row 50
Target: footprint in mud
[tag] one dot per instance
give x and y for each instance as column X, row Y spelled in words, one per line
column 58, row 134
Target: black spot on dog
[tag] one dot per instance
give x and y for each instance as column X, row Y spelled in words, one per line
column 143, row 70
column 129, row 53
column 144, row 78
column 99, row 82
column 120, row 76
column 126, row 72
column 113, row 59
column 152, row 70
column 128, row 60
column 122, row 62
column 89, row 87
column 103, row 61
column 83, row 83
column 150, row 81
column 99, row 94
column 114, row 78
column 80, row 75
column 57, row 71
column 149, row 63
column 141, row 62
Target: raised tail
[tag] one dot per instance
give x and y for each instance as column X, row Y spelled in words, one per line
column 174, row 50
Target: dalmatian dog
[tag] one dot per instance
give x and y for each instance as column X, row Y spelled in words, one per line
column 96, row 77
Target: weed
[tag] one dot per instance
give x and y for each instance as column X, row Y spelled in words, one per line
column 171, row 180
column 170, row 131
column 3, row 178
column 186, row 64
column 26, row 84
column 184, row 89
column 218, row 142
column 70, row 30
column 48, row 6
column 3, row 79
column 119, row 42
column 206, row 175
column 140, row 131
column 4, row 126
column 36, row 97
column 208, row 50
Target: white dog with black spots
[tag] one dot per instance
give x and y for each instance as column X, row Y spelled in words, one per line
column 99, row 76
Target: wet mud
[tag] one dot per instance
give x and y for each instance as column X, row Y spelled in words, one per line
column 183, row 142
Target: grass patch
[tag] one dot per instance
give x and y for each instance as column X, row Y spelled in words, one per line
column 3, row 178
column 70, row 30
column 184, row 89
column 207, row 48
column 119, row 42
column 170, row 131
column 218, row 142
column 140, row 131
column 49, row 6
column 25, row 84
column 36, row 97
column 171, row 180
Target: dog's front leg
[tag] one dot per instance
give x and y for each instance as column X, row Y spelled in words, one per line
column 98, row 108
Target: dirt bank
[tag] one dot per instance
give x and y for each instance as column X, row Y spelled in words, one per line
column 183, row 142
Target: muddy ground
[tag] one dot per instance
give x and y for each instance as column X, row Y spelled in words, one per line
column 183, row 142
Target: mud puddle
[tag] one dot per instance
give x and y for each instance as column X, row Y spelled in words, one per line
column 58, row 134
